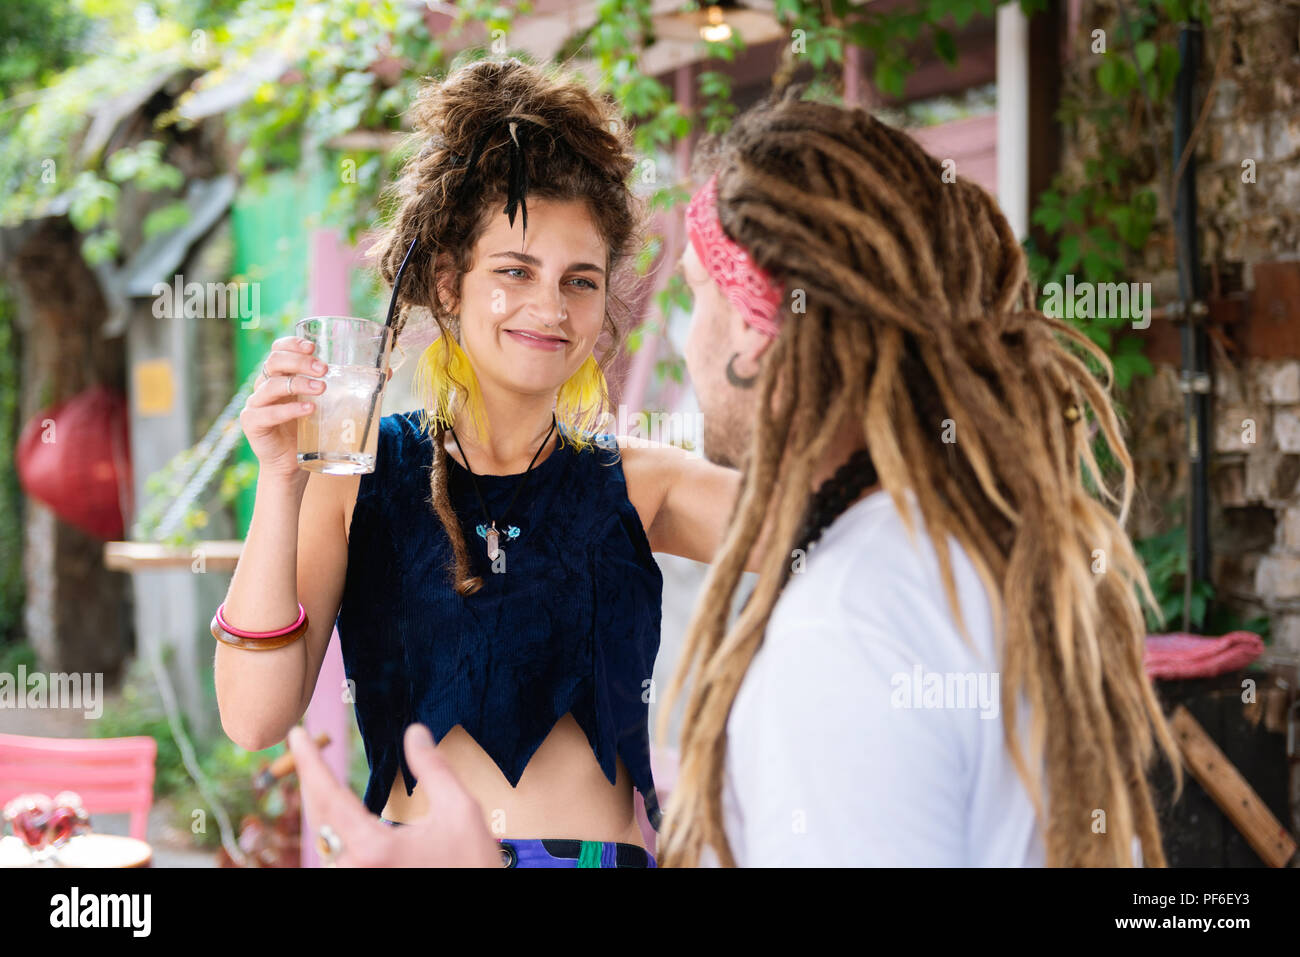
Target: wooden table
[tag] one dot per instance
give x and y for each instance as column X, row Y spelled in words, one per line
column 218, row 555
column 84, row 850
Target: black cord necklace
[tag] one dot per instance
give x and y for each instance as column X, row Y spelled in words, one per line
column 489, row 531
column 833, row 498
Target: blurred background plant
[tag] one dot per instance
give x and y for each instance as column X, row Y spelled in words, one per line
column 1099, row 213
column 1165, row 558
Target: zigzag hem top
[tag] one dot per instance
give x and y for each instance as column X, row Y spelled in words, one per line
column 569, row 621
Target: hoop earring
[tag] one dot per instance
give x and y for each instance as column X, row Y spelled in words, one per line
column 740, row 382
column 582, row 400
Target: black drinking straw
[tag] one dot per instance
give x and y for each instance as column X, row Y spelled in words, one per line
column 516, row 187
column 388, row 324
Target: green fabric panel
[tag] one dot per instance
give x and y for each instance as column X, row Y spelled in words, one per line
column 272, row 224
column 589, row 856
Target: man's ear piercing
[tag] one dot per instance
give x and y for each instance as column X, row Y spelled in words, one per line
column 740, row 382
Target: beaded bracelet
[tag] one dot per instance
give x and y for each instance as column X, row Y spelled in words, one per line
column 223, row 631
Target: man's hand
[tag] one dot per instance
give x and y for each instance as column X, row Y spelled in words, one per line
column 451, row 833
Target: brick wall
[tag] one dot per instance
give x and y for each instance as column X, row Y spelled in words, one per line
column 1255, row 424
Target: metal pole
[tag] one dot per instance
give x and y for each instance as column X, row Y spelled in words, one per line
column 1195, row 374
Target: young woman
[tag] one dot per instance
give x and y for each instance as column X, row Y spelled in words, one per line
column 492, row 579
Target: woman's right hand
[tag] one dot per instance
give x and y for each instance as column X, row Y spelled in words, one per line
column 284, row 395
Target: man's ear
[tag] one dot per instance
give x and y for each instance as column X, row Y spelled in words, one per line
column 758, row 343
column 749, row 342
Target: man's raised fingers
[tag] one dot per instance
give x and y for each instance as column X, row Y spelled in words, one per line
column 325, row 799
column 447, row 797
column 328, row 802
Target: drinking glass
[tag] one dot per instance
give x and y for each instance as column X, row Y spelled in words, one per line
column 340, row 436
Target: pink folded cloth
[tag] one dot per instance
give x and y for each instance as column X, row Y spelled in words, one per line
column 1194, row 656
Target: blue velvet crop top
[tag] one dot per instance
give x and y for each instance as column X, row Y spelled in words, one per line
column 570, row 625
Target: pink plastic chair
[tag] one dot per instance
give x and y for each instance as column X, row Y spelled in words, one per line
column 112, row 775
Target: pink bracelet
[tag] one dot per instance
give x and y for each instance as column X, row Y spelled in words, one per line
column 221, row 620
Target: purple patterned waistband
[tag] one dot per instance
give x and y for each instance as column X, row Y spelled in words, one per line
column 554, row 852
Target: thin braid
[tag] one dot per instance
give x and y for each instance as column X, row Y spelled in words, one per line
column 440, row 496
column 919, row 311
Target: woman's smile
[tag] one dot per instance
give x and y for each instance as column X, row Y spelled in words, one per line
column 538, row 340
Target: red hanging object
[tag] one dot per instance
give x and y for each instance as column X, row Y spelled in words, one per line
column 75, row 457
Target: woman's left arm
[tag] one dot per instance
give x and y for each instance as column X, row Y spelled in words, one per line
column 684, row 500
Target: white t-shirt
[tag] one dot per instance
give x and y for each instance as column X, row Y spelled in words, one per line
column 867, row 731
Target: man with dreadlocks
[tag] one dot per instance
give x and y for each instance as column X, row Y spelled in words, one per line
column 880, row 374
column 928, row 671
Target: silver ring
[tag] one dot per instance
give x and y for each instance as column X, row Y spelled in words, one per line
column 265, row 374
column 288, row 385
column 328, row 843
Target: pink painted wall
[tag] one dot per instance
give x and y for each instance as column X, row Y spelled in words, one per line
column 972, row 143
column 328, row 712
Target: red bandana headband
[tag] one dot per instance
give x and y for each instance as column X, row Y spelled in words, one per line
column 747, row 286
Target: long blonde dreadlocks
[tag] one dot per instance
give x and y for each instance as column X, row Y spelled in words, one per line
column 919, row 317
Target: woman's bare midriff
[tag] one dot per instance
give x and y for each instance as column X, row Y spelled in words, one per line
column 562, row 794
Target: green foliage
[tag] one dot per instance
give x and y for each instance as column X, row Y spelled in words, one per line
column 717, row 110
column 165, row 219
column 357, row 65
column 1165, row 558
column 94, row 201
column 43, row 150
column 143, row 163
column 229, row 771
column 37, row 38
column 889, row 35
column 164, row 487
column 333, row 49
column 138, row 710
column 1099, row 225
column 15, row 655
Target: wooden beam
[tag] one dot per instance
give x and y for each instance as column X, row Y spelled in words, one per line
column 1231, row 792
column 216, row 555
